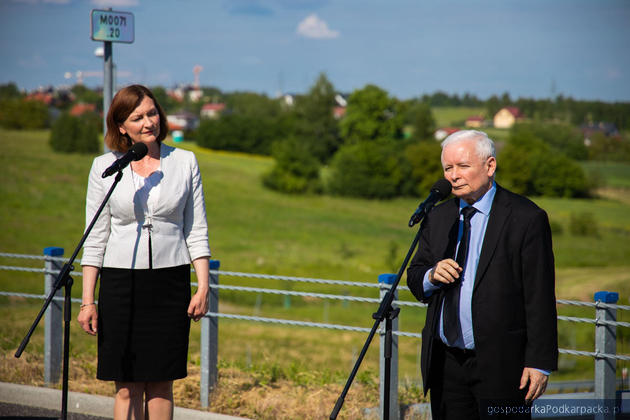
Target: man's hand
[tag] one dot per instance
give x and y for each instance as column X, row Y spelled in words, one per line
column 445, row 272
column 537, row 383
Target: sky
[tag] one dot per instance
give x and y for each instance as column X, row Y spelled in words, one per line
column 528, row 48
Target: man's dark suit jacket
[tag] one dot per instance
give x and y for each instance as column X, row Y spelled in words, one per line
column 513, row 305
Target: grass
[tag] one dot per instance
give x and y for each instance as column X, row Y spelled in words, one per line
column 256, row 230
column 449, row 116
column 615, row 174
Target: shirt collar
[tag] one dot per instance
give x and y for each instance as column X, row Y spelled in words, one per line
column 484, row 204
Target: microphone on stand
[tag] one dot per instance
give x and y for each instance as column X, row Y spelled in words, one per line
column 136, row 152
column 439, row 191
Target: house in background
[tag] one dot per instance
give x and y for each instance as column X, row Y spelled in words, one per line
column 339, row 112
column 605, row 128
column 442, row 133
column 506, row 117
column 212, row 111
column 182, row 121
column 81, row 108
column 341, row 103
column 476, row 121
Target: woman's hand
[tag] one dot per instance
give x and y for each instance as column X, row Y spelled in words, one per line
column 88, row 319
column 198, row 305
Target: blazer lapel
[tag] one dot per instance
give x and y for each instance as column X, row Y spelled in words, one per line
column 499, row 214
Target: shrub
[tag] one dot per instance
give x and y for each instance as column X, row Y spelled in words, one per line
column 583, row 224
column 296, row 171
column 556, row 227
column 563, row 138
column 18, row 113
column 241, row 133
column 72, row 134
column 613, row 148
column 375, row 169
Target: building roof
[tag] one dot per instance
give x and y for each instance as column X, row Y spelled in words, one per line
column 513, row 110
column 44, row 97
column 81, row 108
column 213, row 107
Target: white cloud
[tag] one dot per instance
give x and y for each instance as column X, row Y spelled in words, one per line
column 115, row 3
column 313, row 27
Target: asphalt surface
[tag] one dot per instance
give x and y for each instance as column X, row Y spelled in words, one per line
column 30, row 402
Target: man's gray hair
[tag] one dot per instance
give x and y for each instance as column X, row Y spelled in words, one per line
column 484, row 146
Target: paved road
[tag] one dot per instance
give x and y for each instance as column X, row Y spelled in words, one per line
column 22, row 412
column 30, row 402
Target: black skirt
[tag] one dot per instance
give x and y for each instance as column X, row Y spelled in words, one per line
column 143, row 324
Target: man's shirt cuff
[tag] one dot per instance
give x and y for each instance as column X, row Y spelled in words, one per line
column 427, row 287
column 546, row 372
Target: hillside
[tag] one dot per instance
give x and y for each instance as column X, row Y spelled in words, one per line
column 256, row 230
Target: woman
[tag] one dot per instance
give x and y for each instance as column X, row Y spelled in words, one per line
column 152, row 227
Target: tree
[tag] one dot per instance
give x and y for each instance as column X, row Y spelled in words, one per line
column 88, row 96
column 422, row 121
column 9, row 91
column 527, row 165
column 426, row 168
column 371, row 115
column 316, row 125
column 242, row 133
column 167, row 103
column 493, row 105
column 252, row 104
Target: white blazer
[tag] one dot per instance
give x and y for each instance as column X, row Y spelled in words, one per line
column 180, row 230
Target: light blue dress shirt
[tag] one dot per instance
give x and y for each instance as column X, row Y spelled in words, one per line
column 478, row 224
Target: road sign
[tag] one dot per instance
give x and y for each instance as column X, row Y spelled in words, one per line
column 112, row 26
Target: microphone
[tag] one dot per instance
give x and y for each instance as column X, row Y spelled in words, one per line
column 439, row 191
column 136, row 152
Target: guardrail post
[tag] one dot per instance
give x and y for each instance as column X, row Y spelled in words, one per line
column 605, row 342
column 384, row 281
column 210, row 339
column 53, row 335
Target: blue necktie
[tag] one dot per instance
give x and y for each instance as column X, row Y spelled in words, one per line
column 452, row 326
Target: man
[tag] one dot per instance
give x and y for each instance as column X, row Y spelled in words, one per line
column 490, row 336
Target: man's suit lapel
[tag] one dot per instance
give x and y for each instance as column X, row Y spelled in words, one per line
column 499, row 215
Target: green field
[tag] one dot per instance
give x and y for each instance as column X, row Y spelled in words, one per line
column 455, row 116
column 614, row 174
column 256, row 230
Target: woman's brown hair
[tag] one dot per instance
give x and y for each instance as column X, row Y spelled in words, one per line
column 125, row 101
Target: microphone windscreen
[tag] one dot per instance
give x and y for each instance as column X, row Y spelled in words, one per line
column 442, row 187
column 139, row 150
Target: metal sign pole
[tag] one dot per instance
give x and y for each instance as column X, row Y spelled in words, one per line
column 108, row 88
column 110, row 26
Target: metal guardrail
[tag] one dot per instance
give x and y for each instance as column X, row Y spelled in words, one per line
column 605, row 320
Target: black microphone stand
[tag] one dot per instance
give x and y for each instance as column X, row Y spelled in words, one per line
column 385, row 313
column 64, row 280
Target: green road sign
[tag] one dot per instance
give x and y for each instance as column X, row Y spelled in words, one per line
column 112, row 26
